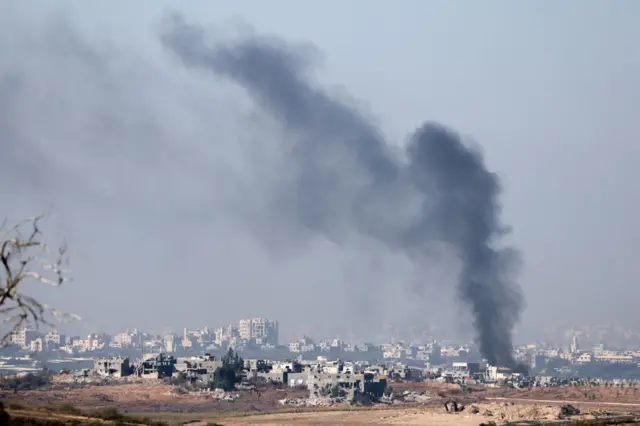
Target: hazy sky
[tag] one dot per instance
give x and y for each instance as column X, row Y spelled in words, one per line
column 141, row 157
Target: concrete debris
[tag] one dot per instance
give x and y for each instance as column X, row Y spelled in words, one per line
column 218, row 394
column 406, row 397
column 313, row 401
column 452, row 406
column 506, row 412
column 221, row 395
column 569, row 410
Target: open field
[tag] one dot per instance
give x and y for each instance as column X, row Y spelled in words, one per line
column 150, row 396
column 501, row 413
column 163, row 402
column 405, row 416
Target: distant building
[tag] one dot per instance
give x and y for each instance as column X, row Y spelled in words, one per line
column 169, row 342
column 260, row 329
column 36, row 345
column 157, row 366
column 23, row 337
column 615, row 359
column 54, row 339
column 225, row 334
column 123, row 340
column 116, row 367
column 351, row 384
column 304, row 344
column 575, row 347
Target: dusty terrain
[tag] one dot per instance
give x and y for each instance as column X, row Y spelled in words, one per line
column 150, row 396
column 475, row 415
column 369, row 417
column 587, row 393
column 162, row 401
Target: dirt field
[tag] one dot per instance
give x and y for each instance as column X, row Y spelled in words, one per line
column 403, row 416
column 474, row 415
column 164, row 402
column 150, row 396
column 590, row 393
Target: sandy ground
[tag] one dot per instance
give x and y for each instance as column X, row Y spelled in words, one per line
column 262, row 408
column 372, row 417
column 473, row 415
column 150, row 396
column 587, row 394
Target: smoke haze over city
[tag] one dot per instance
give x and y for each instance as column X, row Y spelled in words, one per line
column 173, row 180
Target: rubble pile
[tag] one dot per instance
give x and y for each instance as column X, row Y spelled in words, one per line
column 408, row 397
column 221, row 395
column 313, row 401
column 218, row 394
column 420, row 397
column 568, row 410
column 510, row 412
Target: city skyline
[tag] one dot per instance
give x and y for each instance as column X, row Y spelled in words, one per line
column 142, row 156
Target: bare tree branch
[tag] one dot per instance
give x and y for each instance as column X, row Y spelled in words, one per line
column 24, row 257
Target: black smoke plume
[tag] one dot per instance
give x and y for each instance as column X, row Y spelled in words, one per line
column 347, row 179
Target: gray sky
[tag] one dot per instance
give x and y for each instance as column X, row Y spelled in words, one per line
column 142, row 158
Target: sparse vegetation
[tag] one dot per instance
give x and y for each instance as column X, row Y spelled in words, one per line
column 98, row 416
column 230, row 372
column 25, row 257
column 26, row 382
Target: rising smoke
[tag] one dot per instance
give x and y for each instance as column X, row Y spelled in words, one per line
column 347, row 180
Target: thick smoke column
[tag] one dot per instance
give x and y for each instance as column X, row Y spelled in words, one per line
column 347, row 180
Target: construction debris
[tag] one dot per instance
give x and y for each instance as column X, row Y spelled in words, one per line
column 313, row 401
column 569, row 410
column 452, row 406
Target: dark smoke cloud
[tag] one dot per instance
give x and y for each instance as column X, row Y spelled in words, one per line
column 346, row 181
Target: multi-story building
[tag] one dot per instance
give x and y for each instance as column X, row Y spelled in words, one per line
column 244, row 329
column 261, row 329
column 169, row 342
column 23, row 337
column 575, row 346
column 305, row 344
column 96, row 341
column 54, row 339
column 36, row 345
column 226, row 334
column 123, row 340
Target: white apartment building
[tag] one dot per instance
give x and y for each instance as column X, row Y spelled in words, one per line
column 123, row 340
column 54, row 338
column 23, row 337
column 225, row 334
column 259, row 328
column 170, row 342
column 36, row 345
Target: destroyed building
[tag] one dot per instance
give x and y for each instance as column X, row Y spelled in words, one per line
column 156, row 366
column 351, row 385
column 259, row 365
column 198, row 367
column 494, row 373
column 114, row 367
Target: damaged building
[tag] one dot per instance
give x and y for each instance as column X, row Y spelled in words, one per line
column 198, row 367
column 114, row 367
column 156, row 366
column 349, row 385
